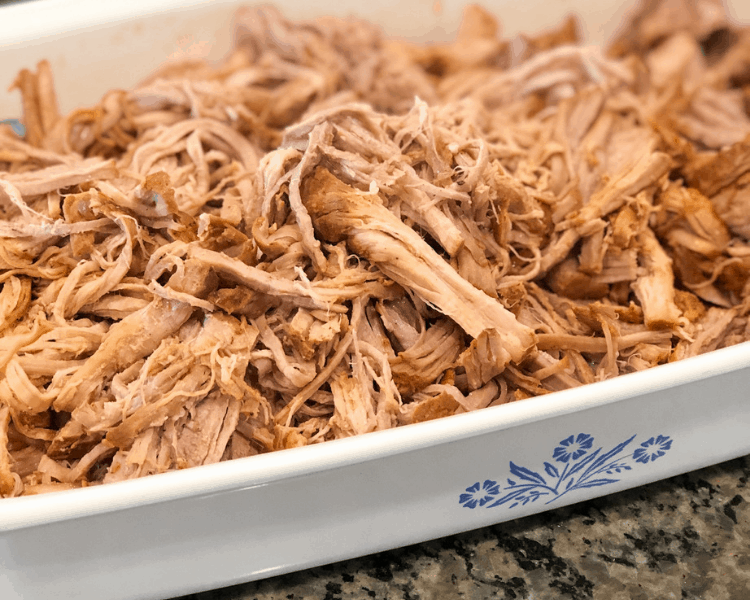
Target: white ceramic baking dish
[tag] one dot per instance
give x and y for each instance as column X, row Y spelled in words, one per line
column 213, row 526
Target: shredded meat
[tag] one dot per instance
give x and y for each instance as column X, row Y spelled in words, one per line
column 332, row 232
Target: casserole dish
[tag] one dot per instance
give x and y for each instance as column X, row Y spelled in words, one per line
column 212, row 526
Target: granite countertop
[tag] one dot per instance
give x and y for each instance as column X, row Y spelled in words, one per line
column 684, row 537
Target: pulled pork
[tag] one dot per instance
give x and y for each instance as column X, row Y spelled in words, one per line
column 332, row 233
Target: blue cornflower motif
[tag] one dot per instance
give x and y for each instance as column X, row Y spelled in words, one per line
column 652, row 449
column 573, row 447
column 477, row 495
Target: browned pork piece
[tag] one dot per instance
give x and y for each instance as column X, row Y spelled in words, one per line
column 341, row 212
column 332, row 232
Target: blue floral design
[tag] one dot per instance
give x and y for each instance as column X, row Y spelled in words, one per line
column 476, row 495
column 652, row 449
column 573, row 447
column 583, row 469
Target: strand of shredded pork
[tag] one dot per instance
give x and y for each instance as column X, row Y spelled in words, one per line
column 332, row 233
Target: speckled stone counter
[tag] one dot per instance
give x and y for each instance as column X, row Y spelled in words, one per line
column 685, row 537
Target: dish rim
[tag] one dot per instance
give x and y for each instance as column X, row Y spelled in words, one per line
column 63, row 17
column 263, row 469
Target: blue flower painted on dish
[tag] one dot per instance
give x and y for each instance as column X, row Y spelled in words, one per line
column 573, row 447
column 477, row 495
column 583, row 468
column 652, row 449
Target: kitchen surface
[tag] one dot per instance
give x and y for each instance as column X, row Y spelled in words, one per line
column 684, row 537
